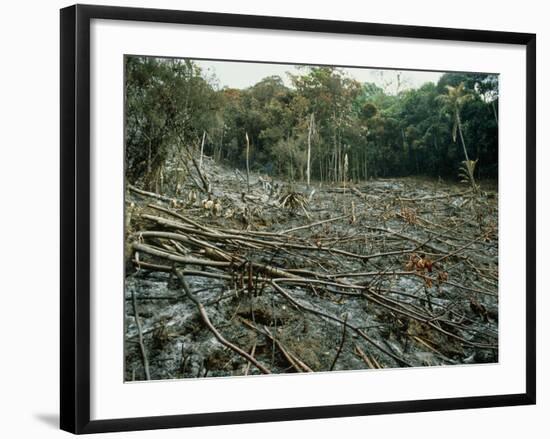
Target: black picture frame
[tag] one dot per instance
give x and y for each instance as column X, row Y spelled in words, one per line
column 75, row 217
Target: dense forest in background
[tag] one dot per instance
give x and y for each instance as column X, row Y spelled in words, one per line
column 349, row 130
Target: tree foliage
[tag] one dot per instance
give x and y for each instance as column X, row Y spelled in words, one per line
column 428, row 131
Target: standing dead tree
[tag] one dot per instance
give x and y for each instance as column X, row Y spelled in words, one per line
column 309, row 135
column 202, row 150
column 247, row 163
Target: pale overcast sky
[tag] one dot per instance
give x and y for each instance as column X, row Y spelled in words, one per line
column 243, row 74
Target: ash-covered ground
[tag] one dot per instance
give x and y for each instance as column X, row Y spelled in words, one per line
column 289, row 279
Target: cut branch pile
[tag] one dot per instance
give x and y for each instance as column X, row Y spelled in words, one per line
column 413, row 282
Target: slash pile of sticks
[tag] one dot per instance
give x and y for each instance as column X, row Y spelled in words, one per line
column 432, row 292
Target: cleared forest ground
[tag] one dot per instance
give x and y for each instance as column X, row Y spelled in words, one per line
column 285, row 279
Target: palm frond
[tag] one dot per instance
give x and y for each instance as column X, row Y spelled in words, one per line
column 466, row 173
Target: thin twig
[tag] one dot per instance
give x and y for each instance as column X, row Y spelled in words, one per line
column 142, row 349
column 341, row 344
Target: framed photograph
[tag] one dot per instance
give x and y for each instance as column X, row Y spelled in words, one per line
column 268, row 218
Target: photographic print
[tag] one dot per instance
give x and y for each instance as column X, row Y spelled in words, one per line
column 286, row 218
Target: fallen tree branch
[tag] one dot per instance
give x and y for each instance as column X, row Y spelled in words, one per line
column 142, row 348
column 294, row 361
column 341, row 344
column 399, row 360
column 212, row 328
column 150, row 194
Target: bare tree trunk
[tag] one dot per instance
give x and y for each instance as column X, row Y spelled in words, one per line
column 365, row 165
column 345, row 171
column 310, row 131
column 459, row 123
column 335, row 176
column 202, row 149
column 142, row 348
column 190, row 156
column 149, row 159
column 247, row 163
